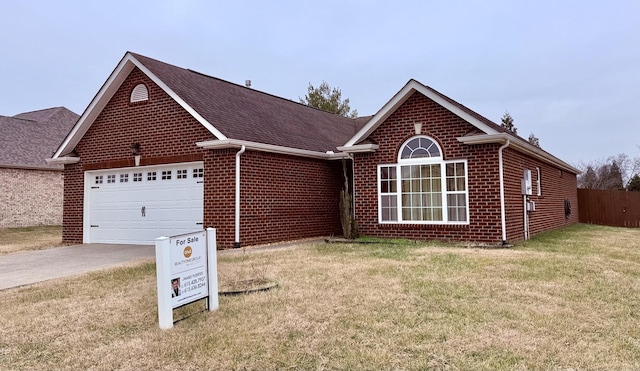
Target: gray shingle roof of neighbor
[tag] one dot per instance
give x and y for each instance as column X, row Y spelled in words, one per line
column 243, row 113
column 27, row 139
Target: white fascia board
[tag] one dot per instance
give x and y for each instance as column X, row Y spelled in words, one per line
column 101, row 99
column 63, row 160
column 262, row 147
column 106, row 92
column 359, row 148
column 382, row 114
column 401, row 97
column 521, row 146
column 179, row 100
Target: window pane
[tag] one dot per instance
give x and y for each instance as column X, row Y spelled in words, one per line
column 406, row 172
column 451, row 170
column 437, row 214
column 406, row 200
column 426, row 200
column 436, row 198
column 416, row 200
column 451, row 184
column 460, row 185
column 457, row 208
column 406, row 186
column 415, row 185
column 389, row 208
column 426, row 185
column 415, row 214
column 436, row 185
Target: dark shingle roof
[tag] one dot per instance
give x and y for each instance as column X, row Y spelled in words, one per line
column 473, row 113
column 27, row 139
column 243, row 113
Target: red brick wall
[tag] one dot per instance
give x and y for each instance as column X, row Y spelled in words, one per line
column 286, row 197
column 557, row 185
column 484, row 179
column 283, row 197
column 165, row 131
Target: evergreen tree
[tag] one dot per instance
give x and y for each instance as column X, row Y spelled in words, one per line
column 615, row 177
column 534, row 140
column 588, row 179
column 634, row 184
column 507, row 123
column 328, row 99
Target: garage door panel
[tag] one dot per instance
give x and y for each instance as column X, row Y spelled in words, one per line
column 137, row 212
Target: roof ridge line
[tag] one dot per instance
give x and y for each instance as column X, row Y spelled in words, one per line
column 263, row 92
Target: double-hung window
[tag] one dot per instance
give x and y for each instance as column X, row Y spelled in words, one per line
column 422, row 188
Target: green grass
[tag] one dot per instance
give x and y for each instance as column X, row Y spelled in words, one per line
column 567, row 299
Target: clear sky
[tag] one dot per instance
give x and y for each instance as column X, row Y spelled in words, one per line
column 568, row 71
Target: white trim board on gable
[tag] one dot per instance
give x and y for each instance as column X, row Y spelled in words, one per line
column 404, row 94
column 106, row 92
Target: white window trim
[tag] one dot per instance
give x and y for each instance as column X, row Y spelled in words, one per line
column 443, row 179
column 538, row 181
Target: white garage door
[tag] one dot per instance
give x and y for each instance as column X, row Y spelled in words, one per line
column 137, row 205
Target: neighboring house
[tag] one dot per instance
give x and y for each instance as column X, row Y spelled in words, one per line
column 31, row 188
column 163, row 150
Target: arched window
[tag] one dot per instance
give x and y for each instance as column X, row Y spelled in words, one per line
column 422, row 188
column 419, row 147
column 139, row 94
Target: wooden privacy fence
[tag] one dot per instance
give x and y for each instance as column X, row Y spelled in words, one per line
column 613, row 208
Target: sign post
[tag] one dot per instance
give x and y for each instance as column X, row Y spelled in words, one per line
column 186, row 271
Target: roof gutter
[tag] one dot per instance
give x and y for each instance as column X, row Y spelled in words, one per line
column 263, row 147
column 521, row 146
column 62, row 160
column 359, row 148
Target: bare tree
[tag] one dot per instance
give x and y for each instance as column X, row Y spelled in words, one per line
column 615, row 172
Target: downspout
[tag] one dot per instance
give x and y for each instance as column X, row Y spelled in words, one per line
column 236, row 244
column 502, row 207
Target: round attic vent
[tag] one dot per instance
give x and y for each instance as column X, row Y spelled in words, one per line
column 139, row 94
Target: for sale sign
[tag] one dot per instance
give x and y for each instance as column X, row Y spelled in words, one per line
column 186, row 270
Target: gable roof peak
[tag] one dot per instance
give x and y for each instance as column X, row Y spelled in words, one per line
column 229, row 111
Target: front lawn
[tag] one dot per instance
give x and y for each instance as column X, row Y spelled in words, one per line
column 567, row 299
column 29, row 238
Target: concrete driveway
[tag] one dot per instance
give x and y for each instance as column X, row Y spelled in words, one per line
column 27, row 267
column 24, row 268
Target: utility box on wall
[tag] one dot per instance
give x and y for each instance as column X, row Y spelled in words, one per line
column 527, row 189
column 531, row 206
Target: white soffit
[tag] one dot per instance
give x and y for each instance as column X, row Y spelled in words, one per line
column 262, row 147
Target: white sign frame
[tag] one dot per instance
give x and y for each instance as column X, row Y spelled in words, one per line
column 191, row 261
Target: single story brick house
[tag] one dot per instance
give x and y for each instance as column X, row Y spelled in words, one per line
column 31, row 189
column 164, row 150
